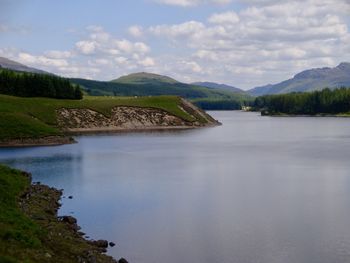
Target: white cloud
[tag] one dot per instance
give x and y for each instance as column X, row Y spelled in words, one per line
column 147, row 62
column 230, row 17
column 266, row 42
column 56, row 54
column 186, row 3
column 180, row 30
column 27, row 58
column 86, row 47
column 135, row 31
column 121, row 60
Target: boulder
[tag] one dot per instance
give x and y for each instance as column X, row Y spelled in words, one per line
column 100, row 243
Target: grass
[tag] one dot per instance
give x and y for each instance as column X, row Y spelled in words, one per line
column 30, row 231
column 20, row 125
column 156, row 88
column 19, row 236
column 36, row 117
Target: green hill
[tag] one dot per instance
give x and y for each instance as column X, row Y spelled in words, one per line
column 145, row 78
column 214, row 85
column 37, row 117
column 146, row 84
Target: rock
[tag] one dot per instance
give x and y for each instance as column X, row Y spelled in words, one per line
column 100, row 243
column 69, row 219
column 122, row 260
column 111, row 244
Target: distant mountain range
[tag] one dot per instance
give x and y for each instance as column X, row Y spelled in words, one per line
column 13, row 65
column 309, row 80
column 149, row 84
column 214, row 85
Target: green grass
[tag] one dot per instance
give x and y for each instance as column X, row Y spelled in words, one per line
column 156, row 88
column 23, row 126
column 31, row 232
column 36, row 117
column 19, row 236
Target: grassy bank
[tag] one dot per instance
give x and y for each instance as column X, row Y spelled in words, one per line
column 36, row 117
column 30, row 230
column 20, row 237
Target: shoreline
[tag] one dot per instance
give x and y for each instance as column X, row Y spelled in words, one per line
column 67, row 139
column 54, row 239
column 36, row 142
column 307, row 115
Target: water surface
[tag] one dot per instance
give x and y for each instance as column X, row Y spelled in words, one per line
column 255, row 190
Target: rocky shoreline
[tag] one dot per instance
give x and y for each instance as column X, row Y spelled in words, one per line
column 77, row 121
column 42, row 141
column 63, row 240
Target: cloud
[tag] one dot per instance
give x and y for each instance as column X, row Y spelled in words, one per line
column 267, row 41
column 135, row 31
column 86, row 47
column 147, row 62
column 180, row 30
column 27, row 58
column 187, row 3
column 97, row 55
column 230, row 17
column 56, row 54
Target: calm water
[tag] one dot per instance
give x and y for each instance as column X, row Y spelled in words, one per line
column 255, row 190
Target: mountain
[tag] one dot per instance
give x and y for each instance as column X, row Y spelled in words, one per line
column 10, row 64
column 148, row 84
column 309, row 80
column 150, row 87
column 145, row 78
column 214, row 85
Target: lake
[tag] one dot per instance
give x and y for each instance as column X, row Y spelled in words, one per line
column 255, row 190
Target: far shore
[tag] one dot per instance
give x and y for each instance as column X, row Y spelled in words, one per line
column 307, row 115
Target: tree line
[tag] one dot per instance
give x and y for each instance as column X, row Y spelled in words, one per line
column 308, row 103
column 37, row 85
column 207, row 104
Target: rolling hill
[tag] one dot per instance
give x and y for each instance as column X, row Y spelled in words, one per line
column 13, row 65
column 144, row 78
column 148, row 84
column 309, row 80
column 214, row 85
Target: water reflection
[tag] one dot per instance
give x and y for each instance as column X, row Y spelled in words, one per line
column 256, row 189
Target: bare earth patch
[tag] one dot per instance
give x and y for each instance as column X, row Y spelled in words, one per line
column 122, row 118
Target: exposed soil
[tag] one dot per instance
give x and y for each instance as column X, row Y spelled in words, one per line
column 122, row 118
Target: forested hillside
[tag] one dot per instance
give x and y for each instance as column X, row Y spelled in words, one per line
column 24, row 84
column 308, row 103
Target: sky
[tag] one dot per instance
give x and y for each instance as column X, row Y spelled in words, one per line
column 244, row 43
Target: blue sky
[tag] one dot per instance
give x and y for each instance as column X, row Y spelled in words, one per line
column 245, row 43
